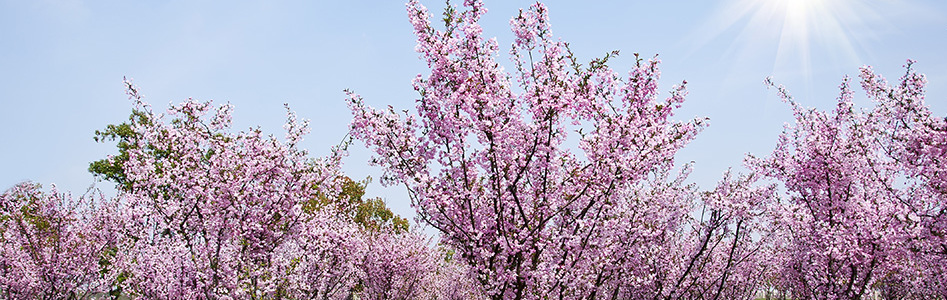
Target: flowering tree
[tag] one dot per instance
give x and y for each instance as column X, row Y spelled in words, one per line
column 864, row 195
column 51, row 245
column 223, row 213
column 205, row 213
column 916, row 142
column 833, row 211
column 730, row 247
column 487, row 162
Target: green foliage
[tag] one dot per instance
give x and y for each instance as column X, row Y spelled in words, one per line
column 24, row 212
column 448, row 254
column 371, row 214
column 112, row 168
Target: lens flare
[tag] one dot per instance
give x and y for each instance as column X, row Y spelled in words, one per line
column 793, row 31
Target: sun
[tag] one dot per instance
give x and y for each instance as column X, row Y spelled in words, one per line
column 791, row 30
column 810, row 23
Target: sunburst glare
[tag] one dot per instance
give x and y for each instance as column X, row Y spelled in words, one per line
column 791, row 31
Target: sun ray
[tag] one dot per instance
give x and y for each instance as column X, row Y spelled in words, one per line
column 798, row 36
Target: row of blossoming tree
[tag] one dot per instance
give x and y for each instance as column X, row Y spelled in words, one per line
column 555, row 181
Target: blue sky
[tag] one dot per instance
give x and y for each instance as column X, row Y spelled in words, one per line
column 62, row 63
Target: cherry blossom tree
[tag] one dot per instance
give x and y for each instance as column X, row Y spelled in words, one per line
column 863, row 195
column 213, row 214
column 53, row 245
column 832, row 211
column 206, row 213
column 556, row 180
column 916, row 141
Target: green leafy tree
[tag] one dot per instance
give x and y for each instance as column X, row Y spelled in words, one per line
column 112, row 168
